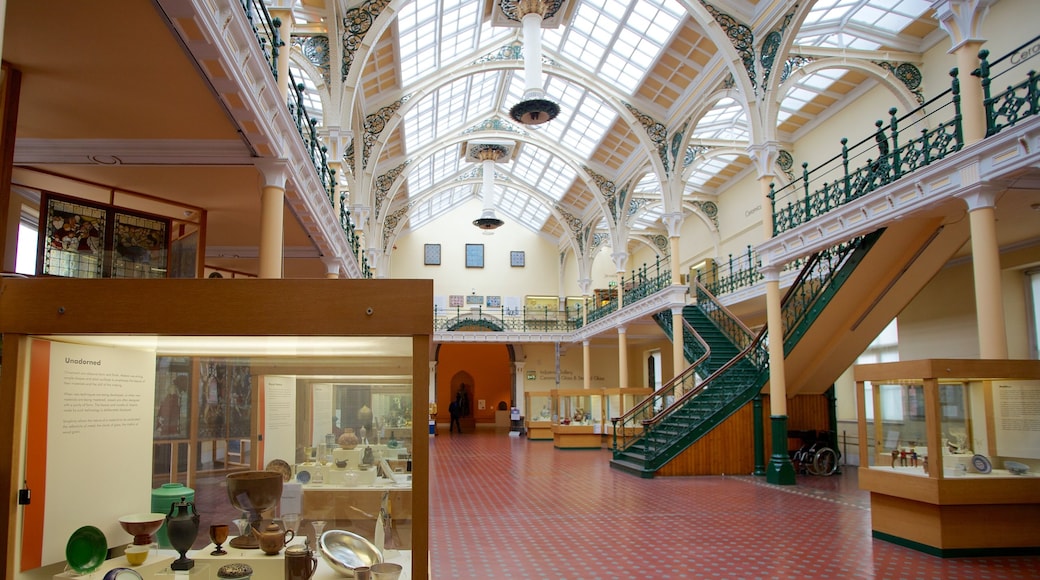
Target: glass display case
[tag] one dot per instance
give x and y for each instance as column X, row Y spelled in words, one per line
column 539, row 405
column 951, row 444
column 578, row 418
column 213, row 391
column 620, row 401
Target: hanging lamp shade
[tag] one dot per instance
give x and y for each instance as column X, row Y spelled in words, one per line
column 534, row 109
column 488, row 155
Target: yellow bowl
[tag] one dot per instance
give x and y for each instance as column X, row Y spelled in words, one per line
column 136, row 555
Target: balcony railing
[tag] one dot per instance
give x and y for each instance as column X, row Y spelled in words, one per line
column 1018, row 101
column 526, row 319
column 268, row 37
column 855, row 172
column 640, row 283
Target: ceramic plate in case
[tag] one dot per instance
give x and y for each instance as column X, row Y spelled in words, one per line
column 303, row 475
column 280, row 466
column 122, row 574
column 86, row 549
column 981, row 464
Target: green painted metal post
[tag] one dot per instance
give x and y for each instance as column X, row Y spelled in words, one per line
column 780, row 470
column 760, row 436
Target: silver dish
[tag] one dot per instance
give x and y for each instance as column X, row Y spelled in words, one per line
column 344, row 551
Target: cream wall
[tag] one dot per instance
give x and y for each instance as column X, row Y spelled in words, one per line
column 540, row 275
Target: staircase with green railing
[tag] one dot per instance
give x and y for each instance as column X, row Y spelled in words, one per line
column 735, row 364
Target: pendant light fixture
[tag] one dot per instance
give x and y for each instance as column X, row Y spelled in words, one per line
column 488, row 154
column 534, row 109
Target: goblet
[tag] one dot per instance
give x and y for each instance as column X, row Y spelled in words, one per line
column 254, row 492
column 218, row 533
column 291, row 521
column 319, row 527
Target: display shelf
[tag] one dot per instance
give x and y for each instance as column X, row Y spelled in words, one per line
column 940, row 433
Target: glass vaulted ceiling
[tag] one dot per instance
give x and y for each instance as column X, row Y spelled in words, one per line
column 617, row 41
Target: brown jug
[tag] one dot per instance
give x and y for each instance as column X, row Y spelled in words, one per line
column 272, row 539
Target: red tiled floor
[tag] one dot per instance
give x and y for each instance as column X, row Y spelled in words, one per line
column 503, row 507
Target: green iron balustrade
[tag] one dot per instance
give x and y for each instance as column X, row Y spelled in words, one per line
column 308, row 129
column 607, row 308
column 267, row 33
column 644, row 282
column 836, row 184
column 526, row 319
column 353, row 238
column 1018, row 101
column 266, row 30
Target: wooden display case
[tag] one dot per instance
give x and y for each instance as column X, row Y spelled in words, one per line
column 948, row 441
column 620, row 401
column 578, row 418
column 539, row 407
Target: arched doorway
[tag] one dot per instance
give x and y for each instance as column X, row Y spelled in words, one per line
column 482, row 372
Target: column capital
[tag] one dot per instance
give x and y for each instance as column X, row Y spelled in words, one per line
column 359, row 213
column 677, row 310
column 962, row 19
column 764, row 155
column 519, row 366
column 770, row 273
column 673, row 222
column 622, row 330
column 584, row 286
column 982, row 195
column 619, row 261
column 331, row 267
column 274, row 171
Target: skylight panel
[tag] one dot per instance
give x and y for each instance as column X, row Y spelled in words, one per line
column 724, row 121
column 433, row 33
column 648, row 184
column 522, row 208
column 618, row 41
column 706, row 169
column 433, row 170
column 887, row 17
column 449, row 108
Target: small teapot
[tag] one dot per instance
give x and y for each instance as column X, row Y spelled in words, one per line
column 272, row 539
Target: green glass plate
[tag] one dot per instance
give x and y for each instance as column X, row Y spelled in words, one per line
column 86, row 549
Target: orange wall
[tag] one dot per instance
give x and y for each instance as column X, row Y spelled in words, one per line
column 489, row 366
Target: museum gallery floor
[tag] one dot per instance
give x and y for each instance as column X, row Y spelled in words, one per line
column 504, row 507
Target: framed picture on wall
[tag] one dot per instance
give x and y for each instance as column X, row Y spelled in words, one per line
column 432, row 254
column 474, row 255
column 516, row 259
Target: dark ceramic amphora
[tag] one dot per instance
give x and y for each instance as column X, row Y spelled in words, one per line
column 182, row 527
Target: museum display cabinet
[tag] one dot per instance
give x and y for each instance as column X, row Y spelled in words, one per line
column 539, row 405
column 953, row 454
column 212, row 379
column 619, row 401
column 579, row 419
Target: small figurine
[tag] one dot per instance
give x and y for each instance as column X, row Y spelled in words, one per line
column 913, row 458
column 895, row 456
column 903, row 458
column 924, row 464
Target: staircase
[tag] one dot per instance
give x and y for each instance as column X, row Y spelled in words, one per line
column 735, row 363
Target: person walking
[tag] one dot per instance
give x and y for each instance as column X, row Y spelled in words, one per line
column 455, row 410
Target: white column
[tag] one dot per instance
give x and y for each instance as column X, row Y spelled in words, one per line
column 985, row 261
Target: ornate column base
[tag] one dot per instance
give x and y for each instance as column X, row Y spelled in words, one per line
column 780, row 470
